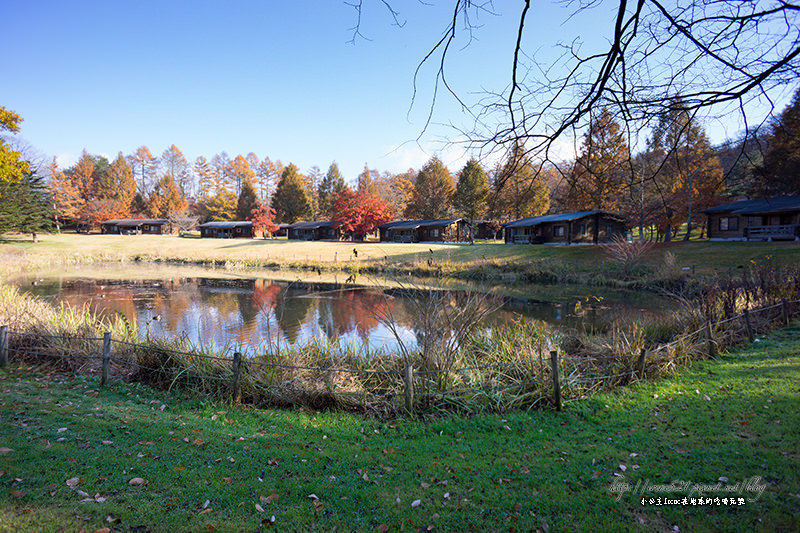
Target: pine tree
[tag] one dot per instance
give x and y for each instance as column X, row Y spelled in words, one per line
column 600, row 173
column 247, row 201
column 290, row 200
column 472, row 191
column 331, row 184
column 519, row 188
column 780, row 173
column 26, row 206
column 433, row 191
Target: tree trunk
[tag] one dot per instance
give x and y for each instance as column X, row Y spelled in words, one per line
column 35, row 237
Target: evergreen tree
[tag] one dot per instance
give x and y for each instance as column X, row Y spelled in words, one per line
column 433, row 191
column 26, row 206
column 519, row 188
column 600, row 173
column 472, row 190
column 247, row 201
column 687, row 173
column 332, row 184
column 780, row 173
column 290, row 200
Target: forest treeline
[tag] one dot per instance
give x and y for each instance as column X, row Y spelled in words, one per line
column 661, row 187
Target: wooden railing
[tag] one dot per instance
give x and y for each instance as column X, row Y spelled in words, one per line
column 778, row 231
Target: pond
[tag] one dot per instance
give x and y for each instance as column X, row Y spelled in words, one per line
column 254, row 313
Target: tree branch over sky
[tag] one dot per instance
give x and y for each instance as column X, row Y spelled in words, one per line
column 714, row 55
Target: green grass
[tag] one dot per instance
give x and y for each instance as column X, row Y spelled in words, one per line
column 735, row 417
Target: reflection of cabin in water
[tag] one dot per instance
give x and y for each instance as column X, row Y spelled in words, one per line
column 227, row 229
column 582, row 227
column 769, row 219
column 431, row 230
column 135, row 226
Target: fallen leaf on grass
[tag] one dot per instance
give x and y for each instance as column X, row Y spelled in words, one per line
column 415, row 504
column 102, row 530
column 269, row 499
column 205, row 504
column 424, row 485
column 204, row 511
column 259, row 508
column 5, row 450
column 137, row 481
column 18, row 493
column 227, row 480
column 73, row 482
column 383, row 528
column 107, row 442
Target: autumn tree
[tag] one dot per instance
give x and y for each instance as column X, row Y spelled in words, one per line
column 472, row 191
column 67, row 199
column 12, row 165
column 359, row 213
column 780, row 172
column 290, row 201
column 166, row 200
column 144, row 167
column 367, row 181
column 433, row 191
column 174, row 163
column 219, row 206
column 240, row 172
column 263, row 218
column 688, row 175
column 329, row 186
column 117, row 184
column 267, row 175
column 599, row 175
column 205, row 177
column 247, row 201
column 518, row 187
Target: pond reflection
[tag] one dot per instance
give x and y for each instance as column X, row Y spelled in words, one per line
column 262, row 314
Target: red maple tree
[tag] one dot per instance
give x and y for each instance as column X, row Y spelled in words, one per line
column 359, row 213
column 263, row 218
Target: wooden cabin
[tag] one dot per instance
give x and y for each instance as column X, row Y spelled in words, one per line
column 765, row 219
column 488, row 229
column 430, row 230
column 582, row 227
column 135, row 226
column 228, row 229
column 317, row 230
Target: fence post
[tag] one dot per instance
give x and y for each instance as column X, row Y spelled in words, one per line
column 3, row 345
column 640, row 363
column 556, row 380
column 749, row 326
column 106, row 358
column 785, row 312
column 712, row 348
column 409, row 388
column 237, row 373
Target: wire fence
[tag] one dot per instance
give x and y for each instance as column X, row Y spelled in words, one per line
column 397, row 386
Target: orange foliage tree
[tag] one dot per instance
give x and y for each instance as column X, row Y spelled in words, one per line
column 359, row 213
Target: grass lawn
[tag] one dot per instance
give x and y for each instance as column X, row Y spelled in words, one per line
column 74, row 456
column 53, row 250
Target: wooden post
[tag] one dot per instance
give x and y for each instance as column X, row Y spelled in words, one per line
column 237, row 373
column 3, row 345
column 712, row 348
column 749, row 326
column 640, row 363
column 785, row 312
column 106, row 358
column 556, row 380
column 693, row 267
column 409, row 388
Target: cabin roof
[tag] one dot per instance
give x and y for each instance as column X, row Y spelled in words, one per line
column 776, row 204
column 419, row 223
column 135, row 221
column 560, row 217
column 227, row 224
column 314, row 224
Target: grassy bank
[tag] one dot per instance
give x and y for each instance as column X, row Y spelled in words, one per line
column 485, row 260
column 71, row 450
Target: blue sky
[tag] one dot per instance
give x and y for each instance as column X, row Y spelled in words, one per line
column 275, row 78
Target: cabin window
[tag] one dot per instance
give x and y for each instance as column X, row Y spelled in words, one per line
column 728, row 223
column 581, row 229
column 609, row 231
column 558, row 231
column 434, row 233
